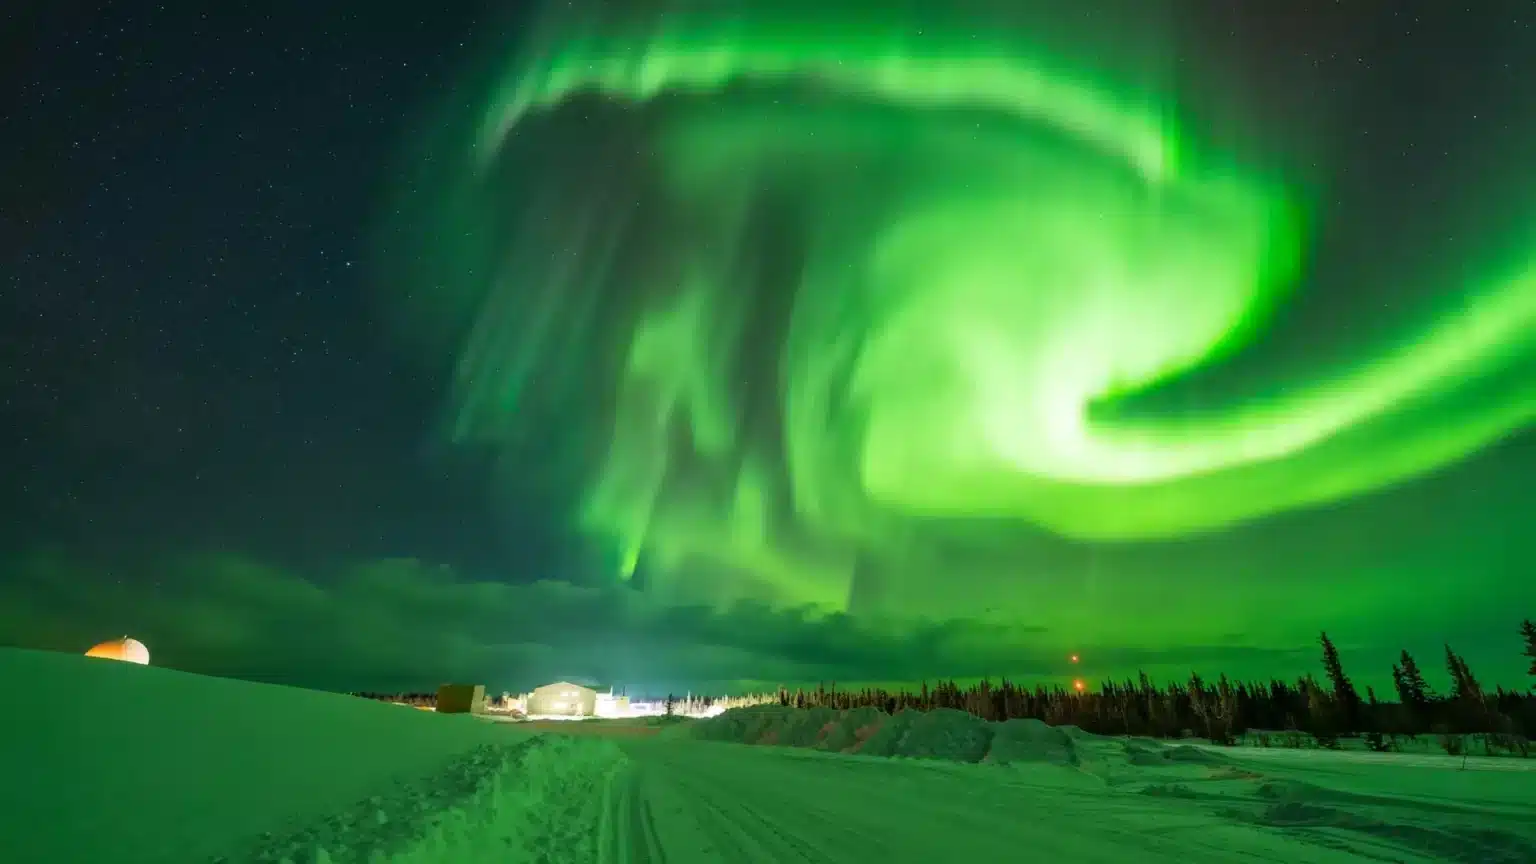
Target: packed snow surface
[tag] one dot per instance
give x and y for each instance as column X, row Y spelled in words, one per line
column 111, row 762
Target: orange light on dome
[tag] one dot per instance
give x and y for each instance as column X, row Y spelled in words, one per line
column 125, row 649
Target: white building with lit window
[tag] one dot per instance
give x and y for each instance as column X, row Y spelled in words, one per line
column 562, row 699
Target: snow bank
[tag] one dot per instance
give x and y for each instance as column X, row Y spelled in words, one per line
column 944, row 734
column 940, row 734
column 1031, row 740
column 539, row 800
column 129, row 763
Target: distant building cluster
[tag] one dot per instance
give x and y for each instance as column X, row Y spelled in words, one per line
column 562, row 700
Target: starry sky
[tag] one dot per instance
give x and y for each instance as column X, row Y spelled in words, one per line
column 373, row 346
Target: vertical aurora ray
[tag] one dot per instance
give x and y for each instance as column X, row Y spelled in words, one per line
column 834, row 300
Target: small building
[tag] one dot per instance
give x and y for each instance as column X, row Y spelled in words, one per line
column 461, row 699
column 609, row 705
column 562, row 698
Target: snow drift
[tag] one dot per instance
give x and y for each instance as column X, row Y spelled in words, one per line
column 952, row 736
column 129, row 763
column 943, row 733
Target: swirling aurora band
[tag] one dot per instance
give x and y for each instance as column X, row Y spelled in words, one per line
column 881, row 297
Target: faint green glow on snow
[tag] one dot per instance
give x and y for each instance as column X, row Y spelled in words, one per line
column 855, row 302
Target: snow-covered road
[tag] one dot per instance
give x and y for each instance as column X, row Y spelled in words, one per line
column 687, row 801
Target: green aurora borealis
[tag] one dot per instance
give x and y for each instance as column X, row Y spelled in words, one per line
column 860, row 314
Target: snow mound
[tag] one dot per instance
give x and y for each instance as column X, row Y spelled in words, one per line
column 1297, row 805
column 944, row 733
column 1031, row 740
column 949, row 735
column 1143, row 751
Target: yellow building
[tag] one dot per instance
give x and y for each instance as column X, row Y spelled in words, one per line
column 562, row 698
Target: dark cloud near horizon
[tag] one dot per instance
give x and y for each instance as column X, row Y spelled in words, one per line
column 402, row 624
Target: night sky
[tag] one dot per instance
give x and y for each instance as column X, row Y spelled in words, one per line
column 368, row 347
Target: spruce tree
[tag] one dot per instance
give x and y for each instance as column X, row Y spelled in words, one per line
column 1528, row 630
column 1463, row 685
column 1414, row 689
column 1344, row 694
column 1453, row 666
column 1199, row 703
column 1468, row 693
column 1321, row 712
column 1226, row 709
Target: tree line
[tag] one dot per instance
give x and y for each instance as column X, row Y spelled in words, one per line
column 1327, row 709
column 428, row 700
column 415, row 700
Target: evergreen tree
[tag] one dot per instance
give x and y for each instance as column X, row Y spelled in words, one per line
column 1464, row 685
column 1321, row 713
column 1468, row 705
column 1226, row 709
column 1528, row 630
column 1412, row 688
column 1199, row 703
column 1344, row 694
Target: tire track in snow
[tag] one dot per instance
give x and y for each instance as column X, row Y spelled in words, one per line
column 697, row 802
column 629, row 827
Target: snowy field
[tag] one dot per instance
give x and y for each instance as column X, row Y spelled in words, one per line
column 119, row 763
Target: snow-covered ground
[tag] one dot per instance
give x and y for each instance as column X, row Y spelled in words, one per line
column 1420, row 745
column 110, row 762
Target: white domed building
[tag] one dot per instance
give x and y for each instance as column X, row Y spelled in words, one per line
column 124, row 649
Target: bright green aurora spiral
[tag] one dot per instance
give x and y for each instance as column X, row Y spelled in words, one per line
column 813, row 310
